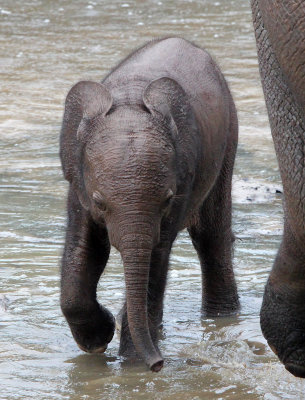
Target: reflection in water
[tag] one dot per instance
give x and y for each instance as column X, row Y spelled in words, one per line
column 46, row 46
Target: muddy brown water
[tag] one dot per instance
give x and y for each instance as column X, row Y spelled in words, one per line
column 46, row 46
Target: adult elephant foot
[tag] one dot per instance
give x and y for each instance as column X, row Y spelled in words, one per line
column 283, row 325
column 94, row 334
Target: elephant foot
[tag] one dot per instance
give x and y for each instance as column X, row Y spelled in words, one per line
column 127, row 349
column 296, row 370
column 98, row 350
column 220, row 306
column 94, row 334
column 129, row 353
column 283, row 326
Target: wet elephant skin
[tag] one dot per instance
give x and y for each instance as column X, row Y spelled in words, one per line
column 280, row 35
column 147, row 153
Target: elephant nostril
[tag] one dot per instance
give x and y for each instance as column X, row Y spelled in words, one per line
column 157, row 366
column 296, row 370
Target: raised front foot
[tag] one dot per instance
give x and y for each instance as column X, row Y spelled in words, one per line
column 283, row 325
column 92, row 332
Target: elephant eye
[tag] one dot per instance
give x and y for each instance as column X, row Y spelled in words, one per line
column 99, row 201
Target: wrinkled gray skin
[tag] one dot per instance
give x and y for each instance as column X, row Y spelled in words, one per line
column 148, row 152
column 280, row 34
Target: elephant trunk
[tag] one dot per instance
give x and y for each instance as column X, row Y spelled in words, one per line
column 136, row 254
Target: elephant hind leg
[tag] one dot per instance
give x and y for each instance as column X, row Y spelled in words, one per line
column 219, row 291
column 85, row 256
column 213, row 240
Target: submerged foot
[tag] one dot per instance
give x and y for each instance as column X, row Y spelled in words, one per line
column 283, row 326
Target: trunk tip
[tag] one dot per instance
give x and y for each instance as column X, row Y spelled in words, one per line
column 156, row 366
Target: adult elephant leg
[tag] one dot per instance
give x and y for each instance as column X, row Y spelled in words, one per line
column 213, row 239
column 283, row 309
column 85, row 256
column 156, row 288
column 280, row 30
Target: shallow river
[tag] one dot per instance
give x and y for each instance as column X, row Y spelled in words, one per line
column 46, row 46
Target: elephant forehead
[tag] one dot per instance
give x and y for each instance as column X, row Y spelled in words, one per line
column 136, row 184
column 127, row 146
column 136, row 162
column 132, row 149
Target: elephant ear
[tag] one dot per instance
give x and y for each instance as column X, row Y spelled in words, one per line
column 84, row 101
column 166, row 98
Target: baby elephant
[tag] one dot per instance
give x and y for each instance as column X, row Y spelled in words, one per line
column 147, row 152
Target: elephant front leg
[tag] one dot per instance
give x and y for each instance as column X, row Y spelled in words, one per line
column 219, row 292
column 85, row 256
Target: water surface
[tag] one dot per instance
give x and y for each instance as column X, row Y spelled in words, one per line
column 46, row 47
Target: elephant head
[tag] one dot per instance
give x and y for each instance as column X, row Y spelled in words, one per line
column 280, row 34
column 122, row 163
